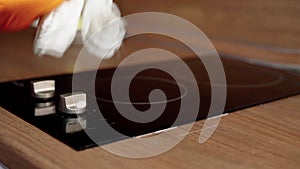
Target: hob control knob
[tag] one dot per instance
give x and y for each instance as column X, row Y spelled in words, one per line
column 73, row 103
column 43, row 89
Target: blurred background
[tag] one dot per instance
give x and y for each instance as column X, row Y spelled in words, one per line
column 266, row 30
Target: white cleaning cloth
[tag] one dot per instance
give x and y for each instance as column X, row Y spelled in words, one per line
column 57, row 30
column 103, row 29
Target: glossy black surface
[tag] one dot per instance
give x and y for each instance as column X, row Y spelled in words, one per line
column 247, row 85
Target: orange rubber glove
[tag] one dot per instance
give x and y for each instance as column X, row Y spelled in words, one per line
column 16, row 15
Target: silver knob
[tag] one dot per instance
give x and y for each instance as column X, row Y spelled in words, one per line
column 43, row 89
column 73, row 103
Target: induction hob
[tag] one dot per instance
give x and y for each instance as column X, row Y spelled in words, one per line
column 247, row 85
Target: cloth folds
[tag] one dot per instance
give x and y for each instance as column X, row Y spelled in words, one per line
column 57, row 30
column 102, row 28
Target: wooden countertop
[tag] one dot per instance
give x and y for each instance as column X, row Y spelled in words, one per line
column 258, row 137
column 265, row 136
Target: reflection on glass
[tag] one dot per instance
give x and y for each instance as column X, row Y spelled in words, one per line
column 43, row 109
column 72, row 125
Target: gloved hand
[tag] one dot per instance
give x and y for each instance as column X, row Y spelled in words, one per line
column 16, row 15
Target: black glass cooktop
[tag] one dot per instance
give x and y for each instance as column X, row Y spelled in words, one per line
column 247, row 85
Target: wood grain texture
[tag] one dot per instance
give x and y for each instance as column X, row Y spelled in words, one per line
column 19, row 62
column 258, row 137
column 266, row 136
column 268, row 22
